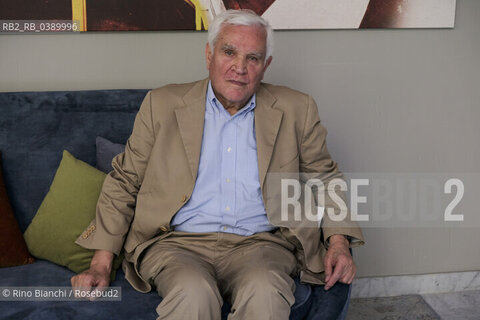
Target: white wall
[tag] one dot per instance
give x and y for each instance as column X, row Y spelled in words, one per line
column 392, row 100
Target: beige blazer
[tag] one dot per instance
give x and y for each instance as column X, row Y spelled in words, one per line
column 156, row 174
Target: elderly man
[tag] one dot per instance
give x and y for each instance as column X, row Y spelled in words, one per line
column 188, row 200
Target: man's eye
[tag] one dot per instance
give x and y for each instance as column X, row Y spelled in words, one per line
column 253, row 58
column 228, row 52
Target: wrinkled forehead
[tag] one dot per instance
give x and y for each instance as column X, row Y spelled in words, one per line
column 235, row 35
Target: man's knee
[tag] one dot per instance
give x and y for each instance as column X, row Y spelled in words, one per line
column 267, row 287
column 191, row 294
column 198, row 289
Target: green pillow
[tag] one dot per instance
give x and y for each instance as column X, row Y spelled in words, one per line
column 66, row 211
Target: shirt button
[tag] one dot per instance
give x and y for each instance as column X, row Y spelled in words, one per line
column 225, row 228
column 163, row 228
column 228, row 180
column 229, row 149
column 184, row 198
column 227, row 208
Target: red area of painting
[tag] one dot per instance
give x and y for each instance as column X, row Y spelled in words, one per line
column 127, row 15
column 381, row 14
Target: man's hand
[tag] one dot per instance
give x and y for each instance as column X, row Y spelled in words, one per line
column 339, row 259
column 97, row 276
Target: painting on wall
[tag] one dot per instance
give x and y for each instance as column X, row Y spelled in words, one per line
column 150, row 15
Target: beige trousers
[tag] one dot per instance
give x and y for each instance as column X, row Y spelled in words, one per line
column 193, row 272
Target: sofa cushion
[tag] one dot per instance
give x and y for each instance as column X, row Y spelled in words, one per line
column 13, row 250
column 64, row 213
column 106, row 151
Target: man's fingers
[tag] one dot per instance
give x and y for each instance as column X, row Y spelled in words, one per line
column 343, row 272
column 352, row 275
column 82, row 283
column 328, row 267
column 102, row 285
column 348, row 274
column 82, row 280
column 351, row 279
column 346, row 278
column 336, row 275
column 90, row 284
column 333, row 279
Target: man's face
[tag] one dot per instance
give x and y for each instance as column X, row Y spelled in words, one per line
column 237, row 64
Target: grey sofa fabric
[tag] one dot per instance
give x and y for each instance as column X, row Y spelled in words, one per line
column 106, row 151
column 35, row 127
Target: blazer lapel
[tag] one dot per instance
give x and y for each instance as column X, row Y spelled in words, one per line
column 267, row 123
column 191, row 120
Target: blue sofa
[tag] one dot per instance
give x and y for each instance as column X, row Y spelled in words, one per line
column 35, row 127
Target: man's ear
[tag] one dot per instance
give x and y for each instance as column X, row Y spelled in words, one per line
column 208, row 55
column 267, row 63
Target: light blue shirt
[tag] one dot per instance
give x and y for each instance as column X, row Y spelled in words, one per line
column 227, row 195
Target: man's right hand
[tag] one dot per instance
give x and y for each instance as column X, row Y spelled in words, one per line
column 97, row 276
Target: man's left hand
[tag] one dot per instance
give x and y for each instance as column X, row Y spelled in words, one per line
column 339, row 265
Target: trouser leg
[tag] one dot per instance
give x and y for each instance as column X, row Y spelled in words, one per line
column 257, row 279
column 185, row 282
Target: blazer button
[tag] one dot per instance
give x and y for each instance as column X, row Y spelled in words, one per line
column 184, row 198
column 164, row 228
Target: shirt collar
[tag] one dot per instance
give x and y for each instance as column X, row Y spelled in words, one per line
column 217, row 105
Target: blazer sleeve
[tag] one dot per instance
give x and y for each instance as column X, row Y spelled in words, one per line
column 116, row 204
column 315, row 162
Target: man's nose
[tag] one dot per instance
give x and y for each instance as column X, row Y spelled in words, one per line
column 240, row 66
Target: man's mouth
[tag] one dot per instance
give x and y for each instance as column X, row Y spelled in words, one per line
column 238, row 83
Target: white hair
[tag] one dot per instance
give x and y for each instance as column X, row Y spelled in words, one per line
column 243, row 17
